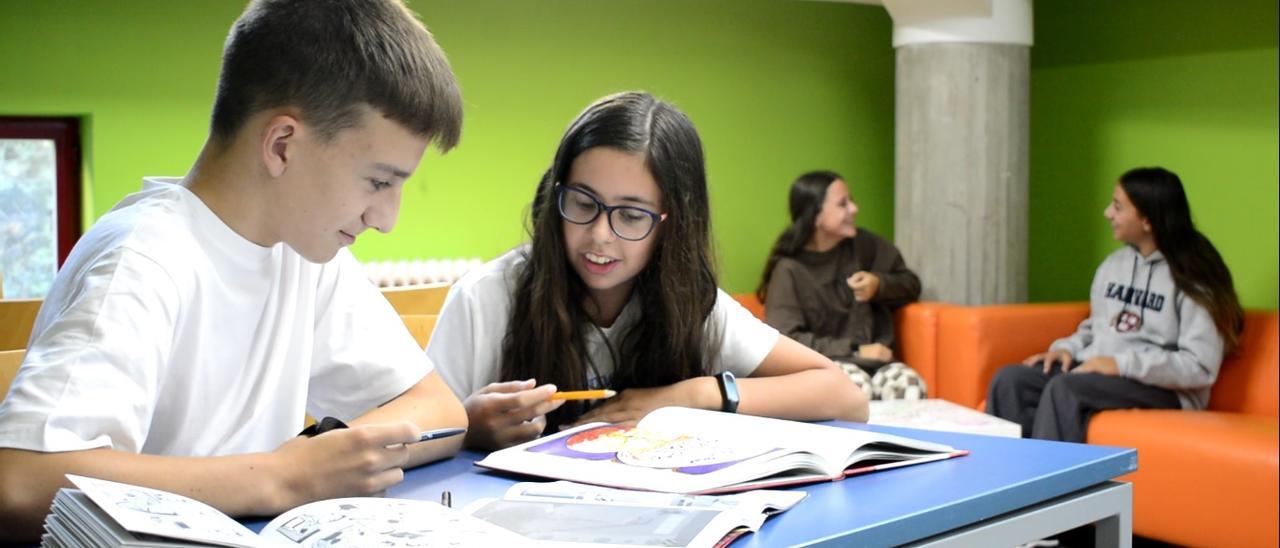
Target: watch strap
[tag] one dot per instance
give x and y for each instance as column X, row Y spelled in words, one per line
column 728, row 392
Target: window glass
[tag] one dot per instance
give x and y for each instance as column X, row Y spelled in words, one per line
column 28, row 213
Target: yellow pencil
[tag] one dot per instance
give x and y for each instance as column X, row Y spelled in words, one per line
column 584, row 395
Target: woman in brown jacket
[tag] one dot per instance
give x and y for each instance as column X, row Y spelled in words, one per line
column 833, row 287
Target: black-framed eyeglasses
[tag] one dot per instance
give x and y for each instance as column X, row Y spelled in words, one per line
column 627, row 222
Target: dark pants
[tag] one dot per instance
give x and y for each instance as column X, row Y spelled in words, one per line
column 1058, row 406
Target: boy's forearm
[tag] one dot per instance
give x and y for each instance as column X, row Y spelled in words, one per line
column 429, row 405
column 241, row 485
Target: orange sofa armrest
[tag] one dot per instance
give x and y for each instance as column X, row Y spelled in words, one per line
column 916, row 331
column 1248, row 378
column 975, row 341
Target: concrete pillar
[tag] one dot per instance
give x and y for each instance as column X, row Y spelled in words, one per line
column 961, row 154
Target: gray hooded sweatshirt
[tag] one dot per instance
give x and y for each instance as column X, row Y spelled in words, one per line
column 1156, row 333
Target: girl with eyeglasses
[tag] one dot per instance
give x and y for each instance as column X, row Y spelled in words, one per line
column 617, row 290
column 1163, row 312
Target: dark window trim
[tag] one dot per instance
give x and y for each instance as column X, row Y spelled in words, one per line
column 65, row 133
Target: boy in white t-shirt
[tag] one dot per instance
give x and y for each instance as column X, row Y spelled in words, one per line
column 195, row 323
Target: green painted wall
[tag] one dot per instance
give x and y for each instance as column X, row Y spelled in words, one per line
column 1185, row 84
column 775, row 87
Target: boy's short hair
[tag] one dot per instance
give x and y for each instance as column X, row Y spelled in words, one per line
column 329, row 58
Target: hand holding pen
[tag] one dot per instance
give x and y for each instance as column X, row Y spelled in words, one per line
column 342, row 462
column 331, row 423
column 440, row 433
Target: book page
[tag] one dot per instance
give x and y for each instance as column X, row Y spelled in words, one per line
column 835, row 447
column 161, row 513
column 635, row 458
column 587, row 515
column 384, row 522
column 600, row 525
column 760, row 501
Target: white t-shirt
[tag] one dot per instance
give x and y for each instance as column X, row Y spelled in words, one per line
column 167, row 333
column 466, row 346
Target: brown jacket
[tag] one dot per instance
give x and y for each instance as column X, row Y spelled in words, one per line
column 809, row 299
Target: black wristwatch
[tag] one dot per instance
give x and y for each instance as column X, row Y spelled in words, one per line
column 728, row 391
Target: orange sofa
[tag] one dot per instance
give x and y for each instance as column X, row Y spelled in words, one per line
column 1205, row 478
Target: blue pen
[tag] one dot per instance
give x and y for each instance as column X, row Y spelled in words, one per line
column 440, row 433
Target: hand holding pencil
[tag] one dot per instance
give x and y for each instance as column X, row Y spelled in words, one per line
column 503, row 414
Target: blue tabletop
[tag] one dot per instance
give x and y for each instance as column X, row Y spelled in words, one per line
column 888, row 507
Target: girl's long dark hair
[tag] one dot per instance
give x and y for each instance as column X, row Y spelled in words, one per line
column 808, row 192
column 545, row 336
column 1198, row 269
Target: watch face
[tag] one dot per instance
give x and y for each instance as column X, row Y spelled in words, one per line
column 729, row 391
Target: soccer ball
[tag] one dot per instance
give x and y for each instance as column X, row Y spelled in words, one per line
column 897, row 381
column 859, row 377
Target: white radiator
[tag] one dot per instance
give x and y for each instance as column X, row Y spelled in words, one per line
column 418, row 271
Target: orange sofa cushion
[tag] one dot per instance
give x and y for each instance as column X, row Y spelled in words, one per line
column 1205, row 478
column 975, row 341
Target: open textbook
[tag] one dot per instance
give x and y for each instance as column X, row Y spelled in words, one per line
column 102, row 513
column 681, row 450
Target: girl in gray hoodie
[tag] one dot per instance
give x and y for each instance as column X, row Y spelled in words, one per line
column 1163, row 312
